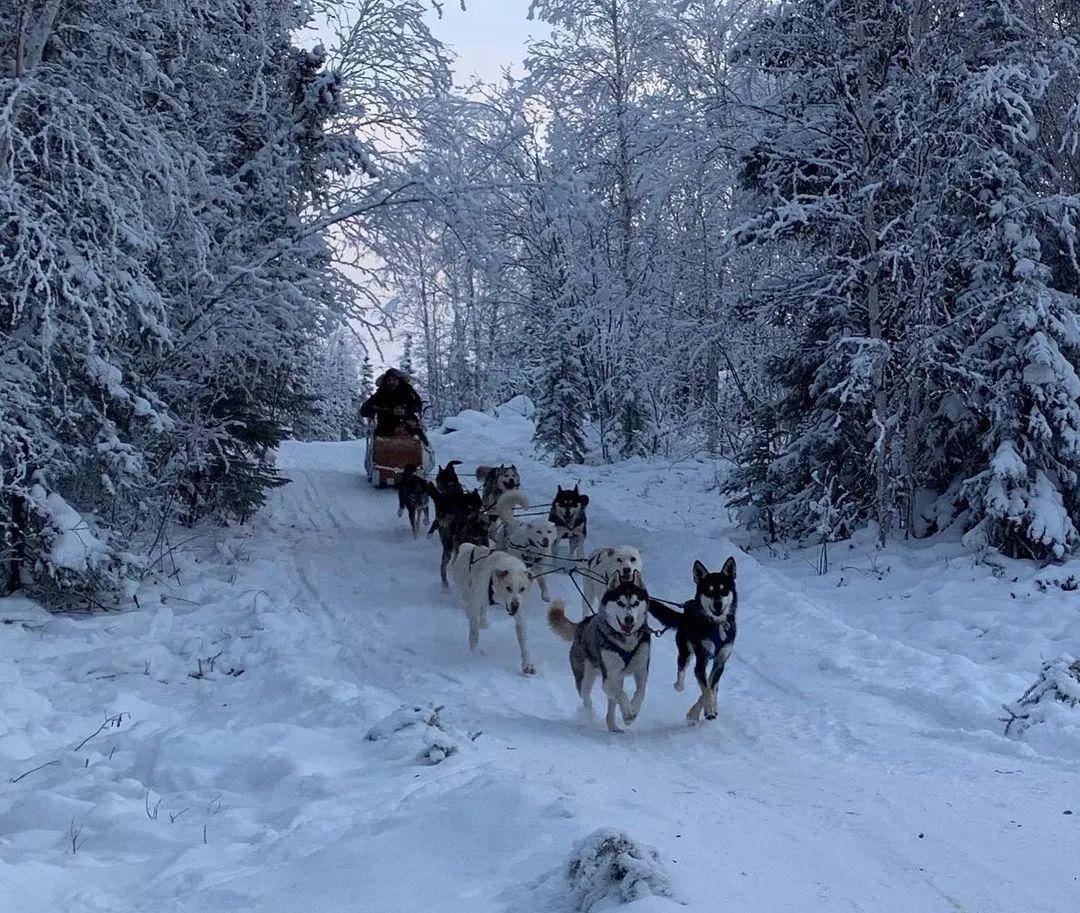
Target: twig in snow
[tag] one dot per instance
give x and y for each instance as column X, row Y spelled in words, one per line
column 174, row 815
column 152, row 814
column 112, row 721
column 168, row 596
column 210, row 660
column 74, row 830
column 31, row 770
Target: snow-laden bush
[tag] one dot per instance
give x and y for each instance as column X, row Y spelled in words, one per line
column 609, row 864
column 1051, row 701
column 438, row 740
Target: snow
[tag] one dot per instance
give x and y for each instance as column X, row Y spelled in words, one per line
column 74, row 546
column 297, row 724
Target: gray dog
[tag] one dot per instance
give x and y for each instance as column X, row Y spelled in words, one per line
column 613, row 644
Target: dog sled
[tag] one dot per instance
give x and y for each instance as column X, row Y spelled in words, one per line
column 385, row 458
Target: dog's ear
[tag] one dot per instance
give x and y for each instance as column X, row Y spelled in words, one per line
column 608, row 552
column 559, row 491
column 577, row 488
column 728, row 569
column 700, row 571
column 637, row 580
column 584, row 499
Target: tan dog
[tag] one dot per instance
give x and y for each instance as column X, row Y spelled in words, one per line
column 607, row 567
column 483, row 577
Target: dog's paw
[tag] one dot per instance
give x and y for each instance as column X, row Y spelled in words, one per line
column 616, row 730
column 710, row 714
column 680, row 685
column 528, row 669
column 628, row 718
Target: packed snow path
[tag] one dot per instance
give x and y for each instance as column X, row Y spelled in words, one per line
column 844, row 771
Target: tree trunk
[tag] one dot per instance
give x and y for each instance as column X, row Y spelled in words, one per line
column 19, row 519
column 873, row 301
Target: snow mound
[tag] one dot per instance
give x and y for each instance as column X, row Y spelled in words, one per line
column 610, row 865
column 437, row 739
column 506, row 430
column 519, row 405
column 1052, row 703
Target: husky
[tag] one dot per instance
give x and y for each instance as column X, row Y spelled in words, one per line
column 530, row 540
column 495, row 482
column 459, row 518
column 483, row 577
column 606, row 567
column 448, row 485
column 614, row 643
column 414, row 496
column 704, row 629
column 447, row 481
column 568, row 514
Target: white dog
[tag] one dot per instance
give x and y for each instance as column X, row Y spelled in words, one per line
column 606, row 568
column 486, row 577
column 533, row 541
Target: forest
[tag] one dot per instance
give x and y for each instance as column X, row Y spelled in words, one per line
column 833, row 244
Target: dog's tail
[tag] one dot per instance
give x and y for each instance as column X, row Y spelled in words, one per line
column 482, row 472
column 504, row 507
column 559, row 623
column 668, row 617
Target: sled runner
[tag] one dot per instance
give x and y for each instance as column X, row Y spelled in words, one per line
column 387, row 457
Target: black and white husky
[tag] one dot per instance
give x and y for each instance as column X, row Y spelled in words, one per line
column 704, row 630
column 495, row 482
column 613, row 644
column 568, row 514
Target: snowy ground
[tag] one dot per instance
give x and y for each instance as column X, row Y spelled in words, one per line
column 857, row 764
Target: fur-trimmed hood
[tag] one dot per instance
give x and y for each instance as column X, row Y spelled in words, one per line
column 393, row 372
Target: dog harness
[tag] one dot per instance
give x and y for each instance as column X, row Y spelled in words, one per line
column 569, row 532
column 718, row 633
column 627, row 656
column 491, row 579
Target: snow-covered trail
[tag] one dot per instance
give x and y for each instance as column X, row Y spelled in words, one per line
column 833, row 780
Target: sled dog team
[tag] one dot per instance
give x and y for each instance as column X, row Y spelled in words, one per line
column 494, row 558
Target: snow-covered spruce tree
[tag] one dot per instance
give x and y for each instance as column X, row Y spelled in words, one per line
column 828, row 194
column 333, row 385
column 247, row 344
column 1025, row 496
column 560, row 404
column 405, row 363
column 93, row 192
column 367, row 378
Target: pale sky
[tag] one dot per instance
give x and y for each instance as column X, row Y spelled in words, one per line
column 487, row 36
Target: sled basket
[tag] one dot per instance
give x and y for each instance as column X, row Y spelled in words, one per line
column 388, row 457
